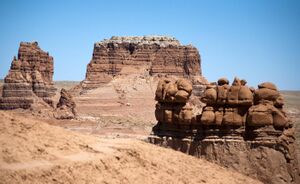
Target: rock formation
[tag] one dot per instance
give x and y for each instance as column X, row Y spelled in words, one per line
column 155, row 54
column 66, row 107
column 227, row 105
column 30, row 76
column 240, row 128
column 172, row 97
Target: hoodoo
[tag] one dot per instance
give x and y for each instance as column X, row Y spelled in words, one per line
column 240, row 128
column 29, row 78
column 66, row 106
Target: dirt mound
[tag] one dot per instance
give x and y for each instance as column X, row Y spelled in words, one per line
column 34, row 152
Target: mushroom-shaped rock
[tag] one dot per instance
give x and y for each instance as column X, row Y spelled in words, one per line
column 268, row 85
column 210, row 95
column 260, row 115
column 266, row 92
column 173, row 91
column 223, row 81
column 208, row 116
column 172, row 106
column 233, row 93
column 184, row 84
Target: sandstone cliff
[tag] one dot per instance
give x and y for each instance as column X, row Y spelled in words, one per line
column 242, row 128
column 140, row 54
column 30, row 76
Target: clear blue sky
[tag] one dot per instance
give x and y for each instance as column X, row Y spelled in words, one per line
column 256, row 39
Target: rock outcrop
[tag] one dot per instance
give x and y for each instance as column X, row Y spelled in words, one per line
column 240, row 128
column 30, row 76
column 172, row 97
column 66, row 107
column 149, row 54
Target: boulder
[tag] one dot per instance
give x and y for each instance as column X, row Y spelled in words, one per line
column 168, row 91
column 262, row 94
column 222, row 94
column 219, row 115
column 223, row 81
column 232, row 117
column 210, row 95
column 184, row 84
column 182, row 96
column 186, row 114
column 280, row 119
column 267, row 85
column 279, row 102
column 260, row 115
column 233, row 95
column 171, row 89
column 245, row 96
column 159, row 93
column 236, row 82
column 208, row 116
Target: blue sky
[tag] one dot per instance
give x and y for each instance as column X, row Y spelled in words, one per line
column 253, row 39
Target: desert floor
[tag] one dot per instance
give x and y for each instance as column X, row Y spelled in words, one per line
column 104, row 145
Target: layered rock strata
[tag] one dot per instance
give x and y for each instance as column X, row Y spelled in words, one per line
column 143, row 54
column 66, row 107
column 240, row 128
column 30, row 75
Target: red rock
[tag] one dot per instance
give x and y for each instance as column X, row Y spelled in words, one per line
column 219, row 113
column 66, row 107
column 223, row 81
column 172, row 97
column 30, row 75
column 153, row 54
column 232, row 117
column 233, row 93
column 267, row 85
column 233, row 130
column 245, row 96
column 208, row 116
column 210, row 95
column 186, row 114
column 222, row 92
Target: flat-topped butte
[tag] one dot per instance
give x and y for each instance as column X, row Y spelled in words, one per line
column 140, row 40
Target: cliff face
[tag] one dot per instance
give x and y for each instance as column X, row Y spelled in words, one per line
column 241, row 128
column 30, row 76
column 148, row 54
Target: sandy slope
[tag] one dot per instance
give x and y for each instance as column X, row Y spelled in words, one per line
column 34, row 152
column 130, row 96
